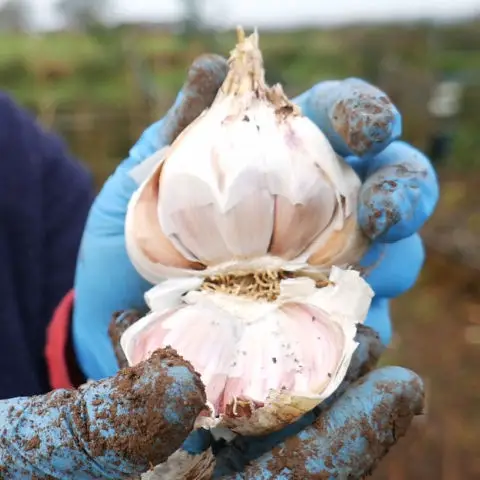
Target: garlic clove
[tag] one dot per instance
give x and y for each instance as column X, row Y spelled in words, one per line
column 146, row 244
column 342, row 243
column 305, row 198
column 204, row 334
column 297, row 225
column 340, row 247
column 214, row 235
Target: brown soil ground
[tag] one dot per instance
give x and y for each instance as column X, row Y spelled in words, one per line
column 438, row 335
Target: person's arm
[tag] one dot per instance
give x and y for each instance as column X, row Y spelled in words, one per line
column 65, row 195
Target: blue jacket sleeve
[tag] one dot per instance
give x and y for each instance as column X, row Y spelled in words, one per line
column 68, row 193
column 45, row 198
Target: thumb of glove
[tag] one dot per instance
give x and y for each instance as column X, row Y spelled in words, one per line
column 112, row 429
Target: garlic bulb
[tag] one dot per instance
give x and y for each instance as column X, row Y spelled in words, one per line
column 250, row 178
column 265, row 359
column 250, row 214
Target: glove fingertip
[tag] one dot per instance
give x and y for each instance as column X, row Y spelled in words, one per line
column 204, row 78
column 365, row 118
column 119, row 323
column 379, row 407
column 397, row 381
column 367, row 354
column 349, row 439
column 206, row 70
column 149, row 421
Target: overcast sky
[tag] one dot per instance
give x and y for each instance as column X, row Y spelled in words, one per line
column 229, row 13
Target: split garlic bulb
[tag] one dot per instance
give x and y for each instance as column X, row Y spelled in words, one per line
column 250, row 178
column 254, row 214
column 264, row 361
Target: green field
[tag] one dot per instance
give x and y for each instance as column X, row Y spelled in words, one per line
column 68, row 65
column 117, row 81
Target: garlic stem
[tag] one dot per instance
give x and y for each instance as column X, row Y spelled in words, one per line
column 246, row 66
column 246, row 74
column 241, row 34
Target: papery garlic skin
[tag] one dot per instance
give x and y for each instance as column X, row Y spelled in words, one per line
column 273, row 361
column 251, row 177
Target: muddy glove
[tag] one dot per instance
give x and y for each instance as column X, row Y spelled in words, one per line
column 111, row 429
column 399, row 193
column 347, row 441
column 344, row 437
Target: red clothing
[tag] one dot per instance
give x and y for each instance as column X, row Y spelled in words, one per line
column 62, row 371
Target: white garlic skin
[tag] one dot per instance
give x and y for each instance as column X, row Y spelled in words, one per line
column 243, row 185
column 250, row 186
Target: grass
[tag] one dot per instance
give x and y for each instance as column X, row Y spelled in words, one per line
column 71, row 71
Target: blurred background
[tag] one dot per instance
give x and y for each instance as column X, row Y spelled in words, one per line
column 99, row 71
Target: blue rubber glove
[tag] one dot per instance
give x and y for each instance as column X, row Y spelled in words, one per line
column 399, row 193
column 111, row 429
column 349, row 439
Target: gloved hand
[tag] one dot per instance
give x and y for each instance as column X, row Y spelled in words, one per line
column 345, row 442
column 400, row 188
column 399, row 193
column 119, row 427
column 111, row 429
column 344, row 437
